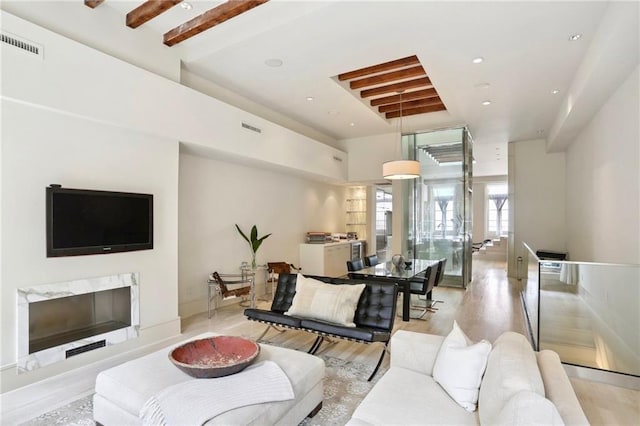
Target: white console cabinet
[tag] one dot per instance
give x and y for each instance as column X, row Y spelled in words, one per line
column 329, row 260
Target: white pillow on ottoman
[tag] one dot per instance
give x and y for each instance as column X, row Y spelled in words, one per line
column 459, row 367
column 335, row 303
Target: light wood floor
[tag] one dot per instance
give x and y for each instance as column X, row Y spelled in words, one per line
column 488, row 307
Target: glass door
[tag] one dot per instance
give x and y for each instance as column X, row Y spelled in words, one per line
column 439, row 208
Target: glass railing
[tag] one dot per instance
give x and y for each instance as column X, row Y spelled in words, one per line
column 589, row 313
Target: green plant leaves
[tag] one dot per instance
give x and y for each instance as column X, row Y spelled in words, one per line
column 254, row 241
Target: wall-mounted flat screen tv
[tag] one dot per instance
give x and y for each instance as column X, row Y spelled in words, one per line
column 81, row 221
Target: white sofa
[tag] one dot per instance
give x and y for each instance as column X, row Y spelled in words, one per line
column 121, row 391
column 407, row 394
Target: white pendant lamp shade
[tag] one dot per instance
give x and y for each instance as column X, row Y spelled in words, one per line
column 401, row 169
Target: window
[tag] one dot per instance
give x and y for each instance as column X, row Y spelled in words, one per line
column 443, row 210
column 383, row 218
column 498, row 203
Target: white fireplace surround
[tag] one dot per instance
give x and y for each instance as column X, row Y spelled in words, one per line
column 27, row 295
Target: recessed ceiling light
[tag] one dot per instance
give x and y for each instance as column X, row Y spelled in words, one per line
column 574, row 37
column 483, row 86
column 273, row 62
column 478, row 60
column 186, row 6
column 555, row 91
column 352, row 124
column 309, row 98
column 487, row 102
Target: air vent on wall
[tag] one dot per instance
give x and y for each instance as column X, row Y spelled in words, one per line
column 252, row 128
column 22, row 44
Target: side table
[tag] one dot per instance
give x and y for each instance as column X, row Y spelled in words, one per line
column 260, row 274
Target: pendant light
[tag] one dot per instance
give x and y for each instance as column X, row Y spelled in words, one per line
column 401, row 169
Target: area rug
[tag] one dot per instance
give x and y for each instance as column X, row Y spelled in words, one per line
column 345, row 385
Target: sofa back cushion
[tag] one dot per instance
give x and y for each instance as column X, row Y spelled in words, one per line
column 512, row 367
column 528, row 408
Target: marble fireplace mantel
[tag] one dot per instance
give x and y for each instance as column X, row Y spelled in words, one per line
column 27, row 296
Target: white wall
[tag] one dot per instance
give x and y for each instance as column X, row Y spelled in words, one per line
column 612, row 293
column 82, row 81
column 603, row 181
column 41, row 147
column 537, row 192
column 216, row 194
column 89, row 26
column 367, row 154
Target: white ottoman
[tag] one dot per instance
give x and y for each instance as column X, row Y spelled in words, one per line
column 122, row 391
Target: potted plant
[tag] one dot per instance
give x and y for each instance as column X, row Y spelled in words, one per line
column 254, row 242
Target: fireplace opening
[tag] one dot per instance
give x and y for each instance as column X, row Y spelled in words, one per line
column 66, row 319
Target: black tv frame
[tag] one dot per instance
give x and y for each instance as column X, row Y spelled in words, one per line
column 88, row 250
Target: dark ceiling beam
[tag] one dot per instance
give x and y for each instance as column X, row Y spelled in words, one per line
column 209, row 19
column 406, row 96
column 386, row 66
column 388, row 77
column 411, row 84
column 414, row 111
column 410, row 104
column 93, row 3
column 148, row 10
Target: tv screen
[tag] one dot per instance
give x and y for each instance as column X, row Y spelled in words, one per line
column 81, row 221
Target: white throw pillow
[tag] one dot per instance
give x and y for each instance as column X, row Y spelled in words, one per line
column 335, row 303
column 459, row 367
column 528, row 408
column 512, row 367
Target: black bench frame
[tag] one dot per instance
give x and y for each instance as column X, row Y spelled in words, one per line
column 374, row 315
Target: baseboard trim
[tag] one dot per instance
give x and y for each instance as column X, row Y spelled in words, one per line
column 602, row 376
column 32, row 400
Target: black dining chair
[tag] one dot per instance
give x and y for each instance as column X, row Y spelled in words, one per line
column 354, row 265
column 442, row 264
column 371, row 260
column 424, row 287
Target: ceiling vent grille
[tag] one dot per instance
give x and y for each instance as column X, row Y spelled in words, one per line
column 252, row 128
column 22, row 44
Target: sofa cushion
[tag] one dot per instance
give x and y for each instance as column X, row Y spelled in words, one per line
column 558, row 389
column 404, row 397
column 334, row 303
column 512, row 367
column 459, row 367
column 528, row 408
column 415, row 351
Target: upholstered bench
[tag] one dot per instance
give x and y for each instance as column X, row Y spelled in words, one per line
column 122, row 391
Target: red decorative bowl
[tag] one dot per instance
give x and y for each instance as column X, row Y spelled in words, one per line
column 215, row 356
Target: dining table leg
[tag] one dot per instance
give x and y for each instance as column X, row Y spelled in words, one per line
column 406, row 300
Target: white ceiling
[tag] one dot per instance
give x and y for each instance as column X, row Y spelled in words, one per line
column 525, row 45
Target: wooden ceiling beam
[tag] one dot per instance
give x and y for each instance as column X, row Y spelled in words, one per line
column 209, row 19
column 386, row 66
column 148, row 10
column 406, row 96
column 93, row 3
column 411, row 84
column 410, row 104
column 414, row 111
column 388, row 77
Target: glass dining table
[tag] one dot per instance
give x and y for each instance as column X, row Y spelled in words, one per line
column 402, row 276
